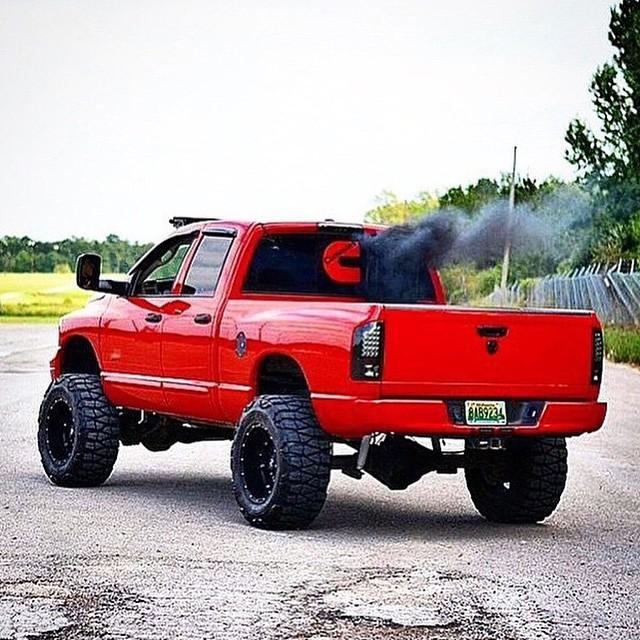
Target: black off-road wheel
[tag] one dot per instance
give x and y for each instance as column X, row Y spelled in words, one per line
column 521, row 484
column 280, row 463
column 78, row 432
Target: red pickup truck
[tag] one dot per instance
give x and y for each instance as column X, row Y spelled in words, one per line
column 263, row 334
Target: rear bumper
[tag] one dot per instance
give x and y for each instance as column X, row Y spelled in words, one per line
column 349, row 417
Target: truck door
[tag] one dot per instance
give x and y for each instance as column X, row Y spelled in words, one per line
column 132, row 328
column 189, row 329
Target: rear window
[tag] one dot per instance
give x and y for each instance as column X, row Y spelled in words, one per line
column 292, row 263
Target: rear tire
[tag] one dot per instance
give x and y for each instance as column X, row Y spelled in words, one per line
column 520, row 485
column 280, row 463
column 78, row 432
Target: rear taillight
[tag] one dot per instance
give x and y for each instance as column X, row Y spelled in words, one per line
column 597, row 357
column 367, row 350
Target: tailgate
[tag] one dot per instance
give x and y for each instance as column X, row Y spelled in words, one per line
column 448, row 352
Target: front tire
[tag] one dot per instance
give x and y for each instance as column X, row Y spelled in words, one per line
column 280, row 463
column 520, row 485
column 78, row 432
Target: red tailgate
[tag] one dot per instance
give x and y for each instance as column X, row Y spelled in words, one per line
column 444, row 352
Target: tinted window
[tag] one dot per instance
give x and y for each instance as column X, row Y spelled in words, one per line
column 292, row 263
column 205, row 269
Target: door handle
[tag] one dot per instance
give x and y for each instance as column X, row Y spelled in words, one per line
column 202, row 318
column 153, row 317
column 492, row 332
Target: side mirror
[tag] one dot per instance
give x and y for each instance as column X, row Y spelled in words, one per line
column 88, row 269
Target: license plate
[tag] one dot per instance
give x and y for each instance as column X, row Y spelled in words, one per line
column 491, row 413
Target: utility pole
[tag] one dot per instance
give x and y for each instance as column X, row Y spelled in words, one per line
column 510, row 214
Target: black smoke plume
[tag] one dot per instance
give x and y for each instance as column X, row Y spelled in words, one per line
column 395, row 260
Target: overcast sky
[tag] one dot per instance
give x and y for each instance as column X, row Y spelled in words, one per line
column 116, row 115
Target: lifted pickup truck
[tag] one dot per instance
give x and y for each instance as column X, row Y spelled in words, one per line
column 261, row 333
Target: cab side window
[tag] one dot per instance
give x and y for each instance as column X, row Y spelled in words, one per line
column 158, row 273
column 206, row 266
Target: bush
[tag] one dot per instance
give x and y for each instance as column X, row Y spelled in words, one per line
column 622, row 344
column 465, row 284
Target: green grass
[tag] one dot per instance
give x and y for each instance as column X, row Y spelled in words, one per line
column 39, row 297
column 29, row 319
column 622, row 344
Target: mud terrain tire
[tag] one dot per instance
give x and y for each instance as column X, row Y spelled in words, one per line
column 520, row 485
column 280, row 463
column 78, row 432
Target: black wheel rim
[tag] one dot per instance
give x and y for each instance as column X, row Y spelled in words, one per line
column 258, row 463
column 60, row 431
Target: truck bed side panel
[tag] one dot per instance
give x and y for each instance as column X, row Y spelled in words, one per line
column 317, row 335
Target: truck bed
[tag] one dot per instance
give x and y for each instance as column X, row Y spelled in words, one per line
column 544, row 365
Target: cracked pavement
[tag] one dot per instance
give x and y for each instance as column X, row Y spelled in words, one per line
column 161, row 550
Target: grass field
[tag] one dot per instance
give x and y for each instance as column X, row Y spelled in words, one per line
column 39, row 297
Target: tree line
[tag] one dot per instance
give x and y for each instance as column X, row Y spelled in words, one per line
column 25, row 254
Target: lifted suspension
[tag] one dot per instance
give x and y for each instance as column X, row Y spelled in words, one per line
column 396, row 461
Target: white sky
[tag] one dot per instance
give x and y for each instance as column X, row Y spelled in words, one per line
column 116, row 115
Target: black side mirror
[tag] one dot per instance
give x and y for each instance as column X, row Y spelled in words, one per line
column 88, row 269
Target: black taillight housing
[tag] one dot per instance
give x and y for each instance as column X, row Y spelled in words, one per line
column 597, row 356
column 367, row 351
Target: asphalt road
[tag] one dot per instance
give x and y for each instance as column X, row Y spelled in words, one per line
column 162, row 552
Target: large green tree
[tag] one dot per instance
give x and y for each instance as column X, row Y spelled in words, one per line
column 607, row 158
column 612, row 154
